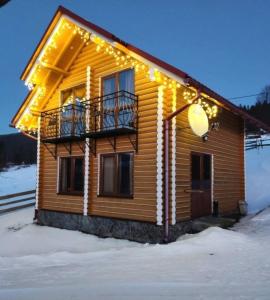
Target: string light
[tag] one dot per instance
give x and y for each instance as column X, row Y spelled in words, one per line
column 211, row 110
column 121, row 58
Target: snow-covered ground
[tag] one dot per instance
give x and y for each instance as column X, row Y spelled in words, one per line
column 258, row 178
column 47, row 263
column 18, row 179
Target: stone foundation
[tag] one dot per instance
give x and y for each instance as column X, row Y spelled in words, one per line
column 142, row 232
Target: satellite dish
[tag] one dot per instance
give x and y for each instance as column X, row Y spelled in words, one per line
column 198, row 120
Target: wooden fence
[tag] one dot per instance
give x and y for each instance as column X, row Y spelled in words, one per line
column 17, row 201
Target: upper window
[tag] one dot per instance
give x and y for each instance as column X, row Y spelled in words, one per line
column 120, row 81
column 117, row 110
column 71, row 175
column 73, row 95
column 116, row 176
column 72, row 115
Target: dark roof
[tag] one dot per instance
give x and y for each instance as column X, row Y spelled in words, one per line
column 170, row 68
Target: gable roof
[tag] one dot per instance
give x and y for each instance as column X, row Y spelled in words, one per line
column 168, row 68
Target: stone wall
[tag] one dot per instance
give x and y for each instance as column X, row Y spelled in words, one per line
column 107, row 227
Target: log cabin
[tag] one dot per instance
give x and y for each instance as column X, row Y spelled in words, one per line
column 128, row 146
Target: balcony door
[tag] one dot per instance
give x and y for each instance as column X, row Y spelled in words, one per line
column 201, row 181
column 72, row 115
column 115, row 101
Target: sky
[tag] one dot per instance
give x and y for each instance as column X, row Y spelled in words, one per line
column 223, row 44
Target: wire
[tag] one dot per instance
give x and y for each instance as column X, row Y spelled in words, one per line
column 249, row 96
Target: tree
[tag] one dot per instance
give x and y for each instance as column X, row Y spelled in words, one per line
column 259, row 110
column 264, row 95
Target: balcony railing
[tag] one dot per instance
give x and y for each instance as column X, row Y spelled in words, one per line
column 64, row 123
column 112, row 114
column 109, row 115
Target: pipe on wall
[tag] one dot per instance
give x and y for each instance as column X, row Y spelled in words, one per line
column 167, row 125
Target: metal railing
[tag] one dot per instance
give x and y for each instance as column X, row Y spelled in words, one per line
column 112, row 112
column 64, row 122
column 17, row 201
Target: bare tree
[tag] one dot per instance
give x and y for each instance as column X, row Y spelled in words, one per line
column 264, row 95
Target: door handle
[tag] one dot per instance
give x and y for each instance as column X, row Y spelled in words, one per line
column 193, row 191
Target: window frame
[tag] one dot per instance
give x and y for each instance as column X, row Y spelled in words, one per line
column 69, row 121
column 116, row 76
column 116, row 184
column 72, row 175
column 201, row 156
column 72, row 89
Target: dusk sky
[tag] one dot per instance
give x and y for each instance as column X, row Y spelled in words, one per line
column 224, row 44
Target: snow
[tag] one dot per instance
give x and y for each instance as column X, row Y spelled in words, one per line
column 258, row 178
column 47, row 263
column 18, row 179
column 39, row 262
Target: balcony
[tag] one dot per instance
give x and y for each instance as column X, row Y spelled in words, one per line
column 110, row 115
column 63, row 124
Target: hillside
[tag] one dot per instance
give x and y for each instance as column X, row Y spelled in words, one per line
column 16, row 149
column 17, row 179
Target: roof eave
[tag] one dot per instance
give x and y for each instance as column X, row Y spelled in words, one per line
column 63, row 11
column 41, row 43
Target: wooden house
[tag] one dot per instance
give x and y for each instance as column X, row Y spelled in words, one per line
column 128, row 145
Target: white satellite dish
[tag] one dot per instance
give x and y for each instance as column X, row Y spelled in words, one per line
column 198, row 120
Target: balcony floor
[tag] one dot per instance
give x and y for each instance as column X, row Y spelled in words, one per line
column 110, row 132
column 62, row 139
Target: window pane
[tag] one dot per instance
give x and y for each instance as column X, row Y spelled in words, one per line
column 79, row 118
column 66, row 121
column 109, row 87
column 195, row 171
column 126, row 83
column 206, row 182
column 79, row 92
column 78, row 175
column 65, row 173
column 125, row 174
column 108, row 174
column 206, row 167
column 67, row 96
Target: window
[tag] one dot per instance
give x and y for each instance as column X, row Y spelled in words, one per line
column 116, row 176
column 71, row 175
column 72, row 116
column 115, row 106
column 200, row 171
column 73, row 95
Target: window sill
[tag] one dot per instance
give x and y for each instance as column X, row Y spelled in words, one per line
column 115, row 196
column 70, row 193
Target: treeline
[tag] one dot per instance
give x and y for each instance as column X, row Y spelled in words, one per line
column 260, row 110
column 16, row 149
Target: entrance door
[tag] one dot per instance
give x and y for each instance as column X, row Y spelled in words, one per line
column 201, row 202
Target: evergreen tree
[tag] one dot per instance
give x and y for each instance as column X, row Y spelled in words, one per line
column 259, row 110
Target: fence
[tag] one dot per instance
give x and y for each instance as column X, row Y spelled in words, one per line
column 17, row 201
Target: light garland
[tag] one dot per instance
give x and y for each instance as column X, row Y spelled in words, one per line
column 41, row 91
column 121, row 58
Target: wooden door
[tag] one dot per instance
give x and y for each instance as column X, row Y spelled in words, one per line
column 201, row 174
